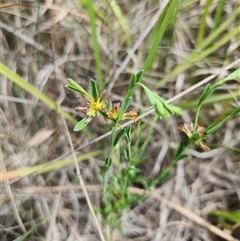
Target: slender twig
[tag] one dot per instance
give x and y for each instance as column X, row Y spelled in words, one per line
column 81, row 181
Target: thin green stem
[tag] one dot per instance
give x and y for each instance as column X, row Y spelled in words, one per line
column 113, row 136
column 125, row 185
column 196, row 118
column 166, row 171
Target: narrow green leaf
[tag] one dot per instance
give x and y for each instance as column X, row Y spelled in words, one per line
column 211, row 100
column 203, row 23
column 155, row 45
column 107, row 164
column 216, row 37
column 118, row 137
column 163, row 176
column 195, row 137
column 126, row 154
column 139, row 76
column 235, row 112
column 122, row 20
column 93, row 89
column 180, row 157
column 234, row 75
column 149, row 183
column 213, row 127
column 218, row 15
column 81, row 124
column 233, row 216
column 132, row 81
column 125, row 104
column 180, row 149
column 168, row 108
column 150, row 95
column 207, row 91
column 160, row 110
column 31, row 230
column 128, row 133
column 96, row 49
column 76, row 87
column 174, row 110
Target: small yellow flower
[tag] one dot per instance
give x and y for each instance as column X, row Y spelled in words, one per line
column 113, row 114
column 93, row 107
column 131, row 115
column 189, row 131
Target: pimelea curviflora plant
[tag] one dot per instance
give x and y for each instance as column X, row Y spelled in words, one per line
column 116, row 196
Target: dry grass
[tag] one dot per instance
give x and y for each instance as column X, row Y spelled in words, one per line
column 49, row 43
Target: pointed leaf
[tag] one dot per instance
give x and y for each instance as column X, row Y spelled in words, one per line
column 213, row 127
column 163, row 176
column 149, row 183
column 235, row 112
column 139, row 76
column 128, row 134
column 76, row 87
column 180, row 157
column 107, row 164
column 207, row 91
column 160, row 110
column 93, row 89
column 150, row 95
column 234, row 75
column 126, row 154
column 125, row 104
column 173, row 109
column 132, row 81
column 118, row 137
column 81, row 124
column 180, row 149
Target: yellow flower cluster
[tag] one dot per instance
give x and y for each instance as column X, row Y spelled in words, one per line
column 113, row 114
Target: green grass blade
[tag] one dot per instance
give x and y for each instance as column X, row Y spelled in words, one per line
column 162, row 29
column 202, row 27
column 232, row 216
column 43, row 168
column 218, row 15
column 31, row 230
column 15, row 78
column 211, row 100
column 106, row 20
column 121, row 19
column 213, row 37
column 96, row 49
column 195, row 56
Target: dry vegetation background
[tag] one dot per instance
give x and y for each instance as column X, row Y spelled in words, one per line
column 46, row 42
